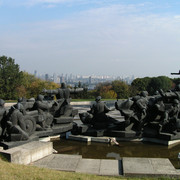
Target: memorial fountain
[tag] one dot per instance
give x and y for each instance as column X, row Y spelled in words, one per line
column 142, row 117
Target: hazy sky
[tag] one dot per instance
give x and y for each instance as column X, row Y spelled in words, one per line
column 102, row 37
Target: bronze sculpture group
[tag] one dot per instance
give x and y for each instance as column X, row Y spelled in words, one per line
column 42, row 116
column 143, row 115
column 156, row 116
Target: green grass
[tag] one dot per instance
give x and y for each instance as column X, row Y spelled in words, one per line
column 10, row 171
column 10, row 101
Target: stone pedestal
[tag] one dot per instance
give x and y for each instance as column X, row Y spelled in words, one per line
column 28, row 152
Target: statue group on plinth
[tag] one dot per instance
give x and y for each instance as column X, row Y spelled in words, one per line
column 154, row 116
column 46, row 115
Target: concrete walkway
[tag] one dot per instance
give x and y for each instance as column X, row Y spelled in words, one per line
column 129, row 167
column 76, row 163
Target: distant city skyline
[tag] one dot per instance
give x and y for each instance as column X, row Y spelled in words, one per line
column 100, row 37
column 89, row 81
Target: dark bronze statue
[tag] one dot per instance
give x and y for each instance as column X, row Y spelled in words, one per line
column 63, row 107
column 2, row 118
column 97, row 117
column 135, row 110
column 16, row 128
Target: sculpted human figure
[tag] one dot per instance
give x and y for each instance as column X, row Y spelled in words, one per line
column 63, row 92
column 2, row 117
column 16, row 123
column 171, row 121
column 63, row 99
column 45, row 118
column 26, row 104
column 96, row 116
column 99, row 110
column 134, row 109
column 169, row 96
column 140, row 107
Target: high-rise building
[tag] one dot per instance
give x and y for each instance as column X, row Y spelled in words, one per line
column 35, row 73
column 46, row 77
column 90, row 80
column 55, row 78
column 62, row 79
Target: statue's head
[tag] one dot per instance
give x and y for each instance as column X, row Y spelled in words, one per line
column 156, row 93
column 20, row 99
column 40, row 97
column 63, row 85
column 18, row 106
column 98, row 98
column 144, row 93
column 175, row 102
column 2, row 102
column 31, row 100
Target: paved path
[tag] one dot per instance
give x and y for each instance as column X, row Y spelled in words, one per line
column 138, row 167
column 76, row 163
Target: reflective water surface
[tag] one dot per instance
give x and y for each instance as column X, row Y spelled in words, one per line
column 126, row 149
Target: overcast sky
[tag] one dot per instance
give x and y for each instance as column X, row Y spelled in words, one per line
column 101, row 37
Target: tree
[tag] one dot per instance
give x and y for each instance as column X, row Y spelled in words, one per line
column 140, row 84
column 10, row 78
column 121, row 89
column 110, row 94
column 105, row 90
column 175, row 82
column 32, row 86
column 157, row 83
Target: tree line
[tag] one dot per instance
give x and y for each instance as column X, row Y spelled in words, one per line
column 15, row 83
column 121, row 90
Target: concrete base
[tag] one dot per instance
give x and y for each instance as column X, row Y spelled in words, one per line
column 94, row 132
column 161, row 141
column 83, row 128
column 80, row 138
column 58, row 129
column 49, row 138
column 169, row 137
column 28, row 152
column 141, row 167
column 106, row 139
column 152, row 131
column 89, row 138
column 48, row 132
column 12, row 144
column 123, row 134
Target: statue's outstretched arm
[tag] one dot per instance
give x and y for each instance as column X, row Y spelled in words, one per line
column 53, row 91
